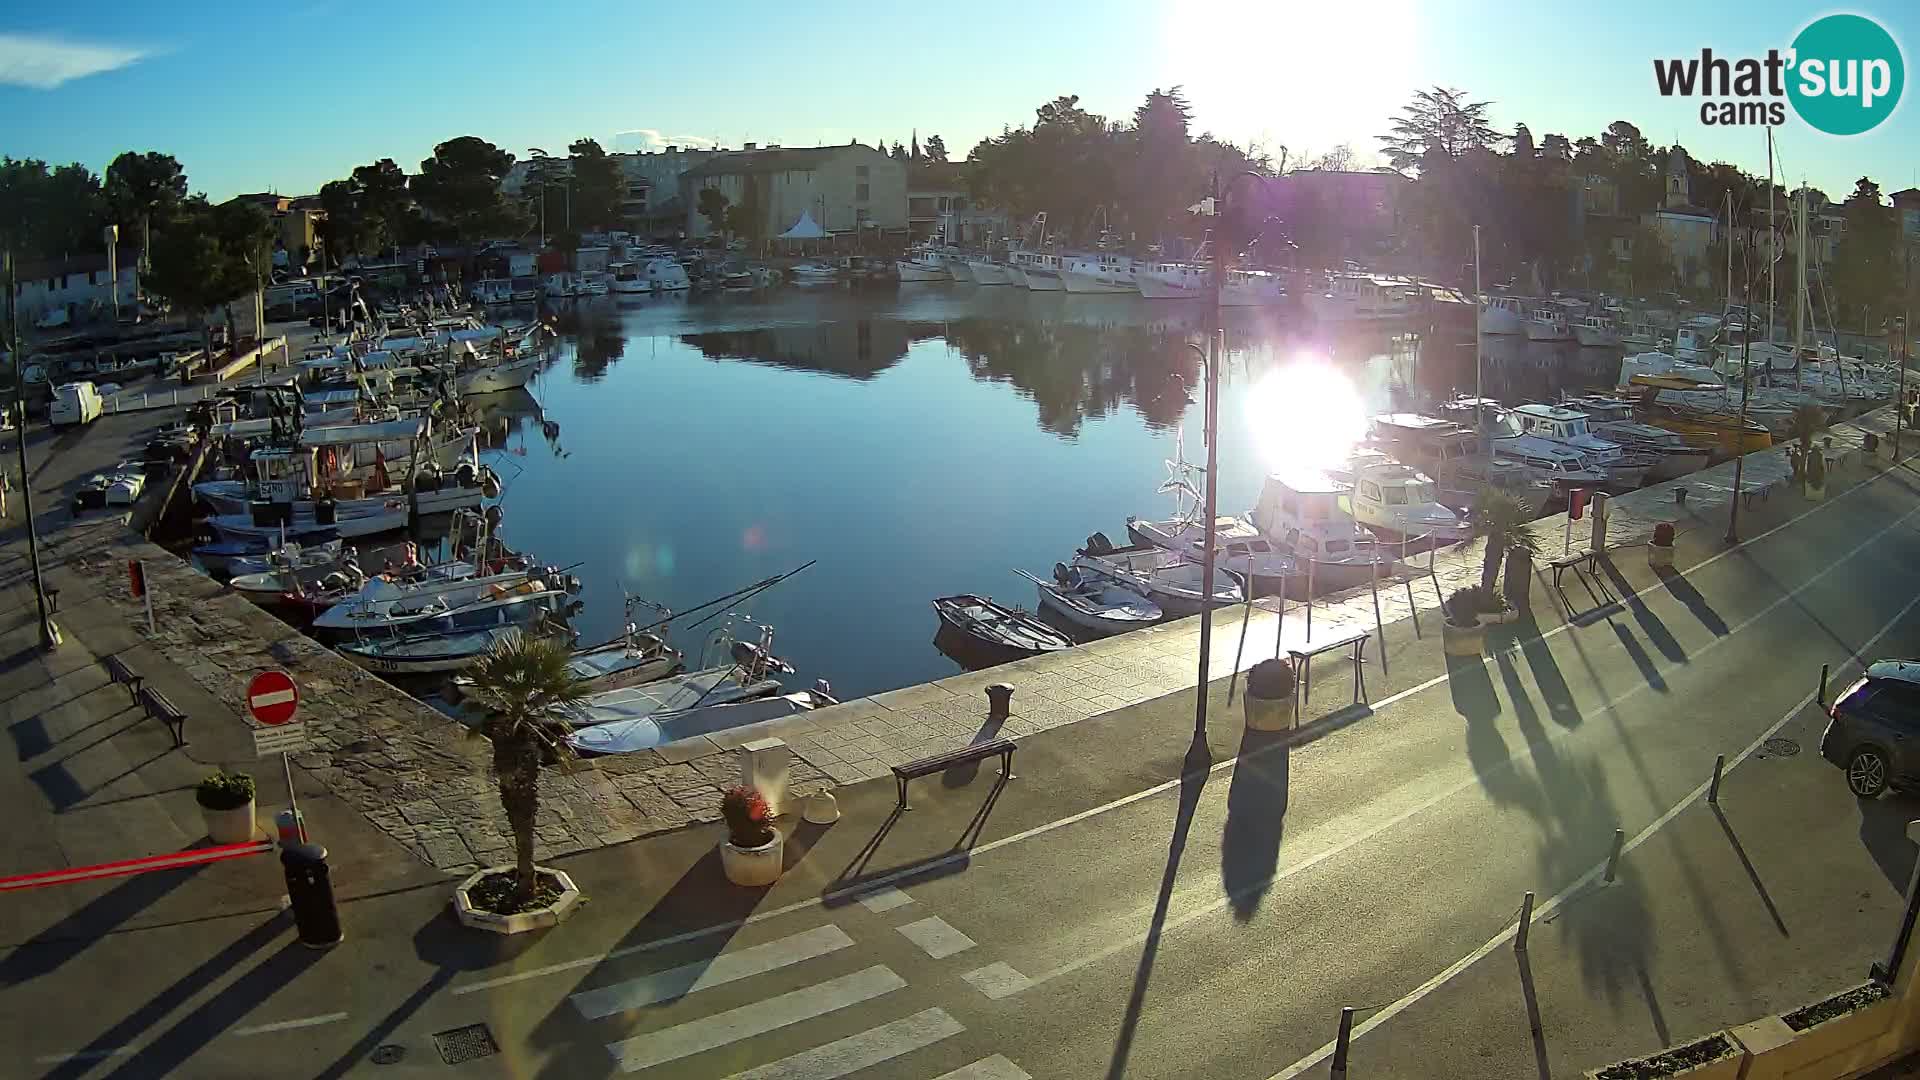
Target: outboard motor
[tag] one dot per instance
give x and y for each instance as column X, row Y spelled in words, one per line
column 1061, row 574
column 465, row 476
column 824, row 690
column 1098, row 544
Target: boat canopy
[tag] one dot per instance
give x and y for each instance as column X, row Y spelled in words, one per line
column 804, row 229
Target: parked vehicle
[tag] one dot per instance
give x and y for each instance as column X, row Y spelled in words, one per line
column 1869, row 727
column 74, row 404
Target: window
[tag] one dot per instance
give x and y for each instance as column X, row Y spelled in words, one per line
column 860, row 171
column 1396, row 496
column 861, row 192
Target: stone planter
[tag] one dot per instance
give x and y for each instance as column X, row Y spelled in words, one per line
column 1658, row 557
column 519, row 922
column 1499, row 618
column 1462, row 640
column 1842, row 1045
column 756, row 865
column 1726, row 1066
column 233, row 826
column 1268, row 714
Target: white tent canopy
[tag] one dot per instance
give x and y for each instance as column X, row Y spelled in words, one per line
column 805, row 229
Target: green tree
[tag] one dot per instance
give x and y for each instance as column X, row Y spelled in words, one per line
column 200, row 258
column 142, row 190
column 1437, row 123
column 934, row 150
column 460, row 186
column 1866, row 267
column 1501, row 520
column 1649, row 262
column 898, row 152
column 712, row 205
column 531, row 695
column 598, row 187
column 50, row 212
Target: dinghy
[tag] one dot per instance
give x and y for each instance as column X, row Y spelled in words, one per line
column 1094, row 601
column 1173, row 583
column 425, row 655
column 981, row 630
column 659, row 729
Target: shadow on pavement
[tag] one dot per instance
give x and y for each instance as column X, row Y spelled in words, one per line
column 1883, row 830
column 1638, row 654
column 46, row 951
column 157, row 1007
column 1651, row 624
column 194, row 1031
column 1532, row 1000
column 1193, row 781
column 1683, row 591
column 1753, row 875
column 1553, row 685
column 1256, row 820
column 1662, row 1036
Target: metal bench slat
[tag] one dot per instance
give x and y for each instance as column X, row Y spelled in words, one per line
column 1002, row 747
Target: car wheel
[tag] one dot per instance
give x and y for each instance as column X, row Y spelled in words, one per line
column 1867, row 772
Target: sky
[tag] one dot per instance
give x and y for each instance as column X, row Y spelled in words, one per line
column 284, row 97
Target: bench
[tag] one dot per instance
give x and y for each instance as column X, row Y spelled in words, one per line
column 1566, row 562
column 927, row 766
column 121, row 672
column 166, row 712
column 1303, row 665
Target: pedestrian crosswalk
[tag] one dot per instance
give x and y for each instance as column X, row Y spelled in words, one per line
column 695, row 1016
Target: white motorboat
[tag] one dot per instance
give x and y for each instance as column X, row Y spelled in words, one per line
column 430, row 655
column 562, row 286
column 1694, row 341
column 1569, row 428
column 1551, row 461
column 1548, row 323
column 626, row 736
column 1093, row 601
column 595, row 283
column 1399, row 502
column 385, row 608
column 1103, row 272
column 1596, row 332
column 1304, row 513
column 630, row 279
column 1361, row 298
column 290, row 553
column 292, row 569
column 492, row 375
column 1173, row 583
column 1665, row 364
column 1641, row 334
column 1503, row 315
column 1173, row 281
column 924, row 264
column 1252, row 288
column 749, row 676
column 813, row 274
column 987, row 272
column 665, row 275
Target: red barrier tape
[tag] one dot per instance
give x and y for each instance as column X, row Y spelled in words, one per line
column 172, row 860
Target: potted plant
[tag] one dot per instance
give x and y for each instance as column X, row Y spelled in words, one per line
column 226, row 805
column 1501, row 519
column 1269, row 698
column 530, row 694
column 1460, row 632
column 1660, row 548
column 752, row 852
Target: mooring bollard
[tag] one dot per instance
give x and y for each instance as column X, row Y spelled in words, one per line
column 1526, row 920
column 1822, row 699
column 999, row 700
column 1613, row 857
column 1713, row 789
column 1339, row 1070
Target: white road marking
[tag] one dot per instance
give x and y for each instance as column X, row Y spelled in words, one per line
column 702, row 974
column 885, row 899
column 937, row 937
column 997, row 980
column 856, row 1052
column 839, row 896
column 1473, row 779
column 987, row 1068
column 1586, row 880
column 82, row 1055
column 289, row 1025
column 720, row 1029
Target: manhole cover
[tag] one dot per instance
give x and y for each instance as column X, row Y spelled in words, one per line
column 1779, row 748
column 465, row 1043
column 388, row 1054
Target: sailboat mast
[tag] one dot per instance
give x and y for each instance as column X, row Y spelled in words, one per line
column 1800, row 281
column 1773, row 235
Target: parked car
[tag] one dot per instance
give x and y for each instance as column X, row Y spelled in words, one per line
column 1873, row 728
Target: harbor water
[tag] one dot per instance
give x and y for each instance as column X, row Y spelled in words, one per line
column 919, row 444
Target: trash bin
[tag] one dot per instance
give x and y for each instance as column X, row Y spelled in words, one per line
column 310, row 893
column 1269, row 697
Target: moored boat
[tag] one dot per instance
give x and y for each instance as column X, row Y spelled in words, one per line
column 993, row 632
column 1095, row 602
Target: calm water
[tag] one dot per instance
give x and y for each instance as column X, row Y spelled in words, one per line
column 917, row 444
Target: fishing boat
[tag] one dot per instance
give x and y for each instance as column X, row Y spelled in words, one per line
column 1041, row 272
column 1596, row 332
column 1548, row 323
column 492, row 374
column 993, row 632
column 1503, row 315
column 1360, row 298
column 1173, row 583
column 322, row 547
column 293, row 570
column 924, row 264
column 813, row 274
column 985, row 271
column 1640, row 334
column 326, row 473
column 1091, row 600
column 1103, row 272
column 389, row 608
column 659, row 728
column 1397, row 501
column 1172, row 281
column 1252, row 288
column 1303, row 513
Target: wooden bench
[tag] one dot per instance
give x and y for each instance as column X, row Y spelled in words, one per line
column 166, row 712
column 1303, row 665
column 1566, row 562
column 121, row 672
column 926, row 766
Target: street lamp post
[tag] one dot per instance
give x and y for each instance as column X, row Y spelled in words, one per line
column 112, row 235
column 49, row 633
column 1900, row 402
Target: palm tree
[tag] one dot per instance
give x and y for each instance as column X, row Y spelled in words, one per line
column 531, row 696
column 1502, row 520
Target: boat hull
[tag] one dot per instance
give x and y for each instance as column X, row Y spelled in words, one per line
column 962, row 272
column 913, row 271
column 1042, row 280
column 1674, row 465
column 495, row 378
column 1500, row 322
column 1157, row 287
column 989, row 273
column 1545, row 332
column 1590, row 338
column 1075, row 281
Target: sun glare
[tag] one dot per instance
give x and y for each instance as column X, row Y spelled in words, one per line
column 1305, row 415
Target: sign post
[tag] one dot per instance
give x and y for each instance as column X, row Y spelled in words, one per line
column 273, row 698
column 1576, row 504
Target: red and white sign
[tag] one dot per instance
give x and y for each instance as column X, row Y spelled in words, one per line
column 1576, row 503
column 272, row 698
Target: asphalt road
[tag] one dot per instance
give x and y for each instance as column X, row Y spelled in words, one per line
column 1208, row 926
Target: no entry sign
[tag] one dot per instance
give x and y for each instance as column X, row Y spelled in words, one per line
column 272, row 698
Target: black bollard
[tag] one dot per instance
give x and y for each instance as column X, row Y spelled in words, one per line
column 310, row 891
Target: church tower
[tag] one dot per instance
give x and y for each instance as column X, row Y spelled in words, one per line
column 1678, row 189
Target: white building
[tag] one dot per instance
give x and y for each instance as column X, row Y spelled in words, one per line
column 77, row 285
column 649, row 202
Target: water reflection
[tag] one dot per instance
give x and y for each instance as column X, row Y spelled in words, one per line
column 1075, row 372
column 856, row 350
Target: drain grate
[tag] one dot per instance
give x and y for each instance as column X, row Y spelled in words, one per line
column 1779, row 748
column 465, row 1043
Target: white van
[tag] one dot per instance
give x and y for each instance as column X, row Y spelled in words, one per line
column 74, row 403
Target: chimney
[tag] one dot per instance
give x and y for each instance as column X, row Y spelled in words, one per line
column 750, row 147
column 673, row 149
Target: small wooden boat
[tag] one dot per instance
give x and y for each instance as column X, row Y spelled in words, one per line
column 1091, row 600
column 1173, row 583
column 661, row 728
column 424, row 655
column 629, row 660
column 995, row 633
